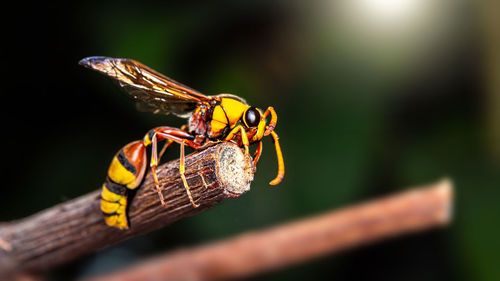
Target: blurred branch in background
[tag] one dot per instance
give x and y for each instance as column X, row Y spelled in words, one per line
column 76, row 228
column 256, row 252
column 490, row 17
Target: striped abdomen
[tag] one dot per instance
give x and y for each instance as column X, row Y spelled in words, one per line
column 125, row 172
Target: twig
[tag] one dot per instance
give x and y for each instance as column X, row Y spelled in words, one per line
column 256, row 252
column 75, row 228
column 5, row 245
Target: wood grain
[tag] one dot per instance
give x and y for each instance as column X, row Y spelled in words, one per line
column 76, row 228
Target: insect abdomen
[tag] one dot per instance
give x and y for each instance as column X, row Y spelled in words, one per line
column 125, row 172
column 114, row 204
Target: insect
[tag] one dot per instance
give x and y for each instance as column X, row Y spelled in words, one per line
column 222, row 117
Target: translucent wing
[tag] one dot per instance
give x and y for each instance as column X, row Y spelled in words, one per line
column 152, row 91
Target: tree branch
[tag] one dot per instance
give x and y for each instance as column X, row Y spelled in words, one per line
column 256, row 252
column 75, row 228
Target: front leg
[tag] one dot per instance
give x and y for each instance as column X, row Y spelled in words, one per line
column 272, row 123
column 244, row 137
column 257, row 154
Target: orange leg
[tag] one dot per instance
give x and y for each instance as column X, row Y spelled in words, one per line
column 281, row 162
column 181, row 171
column 244, row 137
column 165, row 146
column 272, row 123
column 153, row 164
column 257, row 154
column 171, row 135
column 168, row 143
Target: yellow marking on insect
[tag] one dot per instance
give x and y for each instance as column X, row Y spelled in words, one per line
column 154, row 162
column 108, row 207
column 219, row 120
column 146, row 141
column 244, row 137
column 234, row 109
column 122, row 221
column 260, row 129
column 219, row 115
column 117, row 208
column 216, row 127
column 108, row 195
column 120, row 174
column 118, row 220
column 111, row 220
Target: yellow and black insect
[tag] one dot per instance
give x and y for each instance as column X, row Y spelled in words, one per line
column 222, row 117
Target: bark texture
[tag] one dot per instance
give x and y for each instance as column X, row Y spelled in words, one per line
column 75, row 228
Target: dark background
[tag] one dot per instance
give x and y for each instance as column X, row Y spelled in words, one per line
column 371, row 99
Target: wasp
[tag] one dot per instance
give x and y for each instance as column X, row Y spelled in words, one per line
column 222, row 117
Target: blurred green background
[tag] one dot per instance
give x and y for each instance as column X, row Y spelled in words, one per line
column 373, row 96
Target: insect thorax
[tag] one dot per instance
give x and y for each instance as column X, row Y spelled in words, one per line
column 225, row 115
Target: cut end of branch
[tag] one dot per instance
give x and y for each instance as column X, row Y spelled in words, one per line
column 234, row 170
column 77, row 227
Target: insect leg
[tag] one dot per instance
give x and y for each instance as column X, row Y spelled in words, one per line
column 168, row 143
column 281, row 163
column 153, row 164
column 244, row 137
column 183, row 177
column 272, row 123
column 257, row 154
column 165, row 146
column 172, row 135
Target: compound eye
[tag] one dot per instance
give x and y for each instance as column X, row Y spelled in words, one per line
column 252, row 117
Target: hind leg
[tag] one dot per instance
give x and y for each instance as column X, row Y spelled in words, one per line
column 171, row 135
column 168, row 143
column 184, row 181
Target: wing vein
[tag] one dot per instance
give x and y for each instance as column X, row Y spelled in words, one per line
column 155, row 92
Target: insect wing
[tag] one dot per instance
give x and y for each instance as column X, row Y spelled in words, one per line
column 152, row 91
